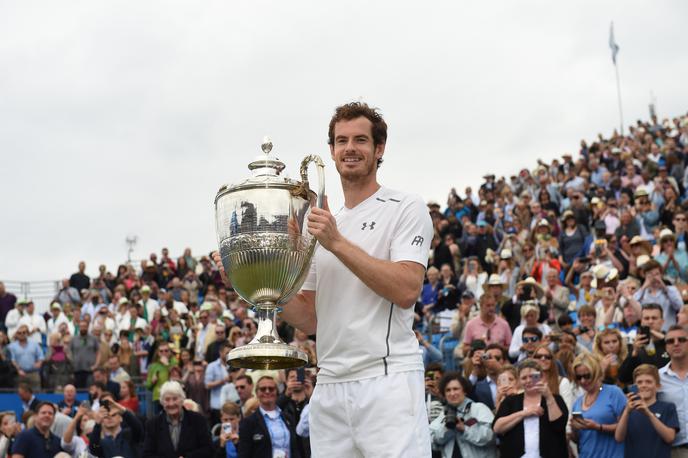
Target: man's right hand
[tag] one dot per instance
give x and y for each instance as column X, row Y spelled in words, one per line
column 217, row 259
column 640, row 341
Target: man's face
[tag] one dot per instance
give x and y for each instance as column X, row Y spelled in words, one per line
column 21, row 334
column 45, row 417
column 495, row 360
column 243, row 389
column 433, row 275
column 82, row 266
column 679, row 224
column 113, row 363
column 83, row 327
column 24, row 395
column 172, row 404
column 69, row 393
column 353, row 152
column 112, row 419
column 488, row 306
column 677, row 344
column 530, row 341
column 267, row 392
column 652, row 318
column 99, row 377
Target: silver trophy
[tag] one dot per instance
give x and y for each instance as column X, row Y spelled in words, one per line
column 266, row 250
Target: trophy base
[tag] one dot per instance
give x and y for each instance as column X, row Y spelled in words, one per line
column 267, row 356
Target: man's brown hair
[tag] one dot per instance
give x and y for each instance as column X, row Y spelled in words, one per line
column 354, row 110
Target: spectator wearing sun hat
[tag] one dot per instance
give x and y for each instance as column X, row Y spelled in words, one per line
column 56, row 319
column 674, row 262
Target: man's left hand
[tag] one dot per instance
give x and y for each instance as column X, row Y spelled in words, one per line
column 323, row 226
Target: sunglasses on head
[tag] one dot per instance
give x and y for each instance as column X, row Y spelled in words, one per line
column 583, row 376
column 676, row 340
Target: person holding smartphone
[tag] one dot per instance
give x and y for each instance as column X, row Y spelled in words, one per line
column 532, row 423
column 647, row 426
column 648, row 346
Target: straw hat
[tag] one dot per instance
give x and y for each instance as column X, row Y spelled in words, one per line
column 530, row 281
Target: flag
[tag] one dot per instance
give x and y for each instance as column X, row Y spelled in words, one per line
column 612, row 43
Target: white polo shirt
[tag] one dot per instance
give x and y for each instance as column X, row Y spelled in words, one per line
column 361, row 334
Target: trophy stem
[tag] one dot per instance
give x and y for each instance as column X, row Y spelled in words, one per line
column 266, row 316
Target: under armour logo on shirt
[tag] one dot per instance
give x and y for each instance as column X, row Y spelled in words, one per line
column 417, row 240
column 367, row 226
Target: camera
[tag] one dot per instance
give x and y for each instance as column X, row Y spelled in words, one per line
column 450, row 417
column 583, row 329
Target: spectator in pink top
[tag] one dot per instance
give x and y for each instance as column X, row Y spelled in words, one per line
column 487, row 326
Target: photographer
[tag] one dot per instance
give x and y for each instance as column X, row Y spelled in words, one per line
column 647, row 426
column 649, row 346
column 655, row 291
column 464, row 423
column 527, row 291
column 117, row 431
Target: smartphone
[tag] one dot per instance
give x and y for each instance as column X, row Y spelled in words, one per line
column 645, row 330
column 226, row 428
column 300, row 375
column 86, row 404
column 633, row 389
column 536, row 376
column 105, row 403
column 577, row 415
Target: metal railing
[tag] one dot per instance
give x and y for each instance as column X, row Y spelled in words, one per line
column 40, row 292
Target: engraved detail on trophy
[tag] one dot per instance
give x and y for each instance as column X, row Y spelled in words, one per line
column 266, row 249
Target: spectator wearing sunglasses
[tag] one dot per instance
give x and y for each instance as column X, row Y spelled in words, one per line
column 674, row 384
column 647, row 426
column 557, row 383
column 267, row 432
column 596, row 413
column 519, row 348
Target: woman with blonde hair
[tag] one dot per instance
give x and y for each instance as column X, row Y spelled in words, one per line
column 611, row 349
column 596, row 413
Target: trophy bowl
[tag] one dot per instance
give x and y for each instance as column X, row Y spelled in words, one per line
column 266, row 250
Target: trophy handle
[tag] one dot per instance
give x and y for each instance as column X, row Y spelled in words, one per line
column 321, row 176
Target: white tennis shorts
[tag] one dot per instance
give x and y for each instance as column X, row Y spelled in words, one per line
column 377, row 417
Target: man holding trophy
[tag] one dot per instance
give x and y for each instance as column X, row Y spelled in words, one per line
column 358, row 297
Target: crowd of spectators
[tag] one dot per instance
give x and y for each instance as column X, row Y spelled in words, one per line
column 551, row 323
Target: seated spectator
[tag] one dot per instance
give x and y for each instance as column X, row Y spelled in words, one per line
column 464, row 424
column 530, row 313
column 175, row 431
column 596, row 413
column 68, row 404
column 557, row 296
column 9, row 429
column 244, row 386
column 117, row 372
column 38, row 441
column 281, row 437
column 647, row 427
column 649, row 346
column 532, row 423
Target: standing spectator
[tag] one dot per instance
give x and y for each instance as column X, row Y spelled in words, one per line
column 647, row 426
column 244, row 387
column 79, row 280
column 57, row 370
column 467, row 430
column 85, row 350
column 492, row 360
column 38, row 442
column 102, row 375
column 175, row 431
column 558, row 384
column 216, row 375
column 205, row 334
column 596, row 412
column 34, row 322
column 674, row 385
column 117, row 372
column 68, row 294
column 655, row 291
column 148, row 304
column 13, row 316
column 267, row 432
column 611, row 350
column 295, row 399
column 68, row 404
column 159, row 372
column 7, row 303
column 56, row 319
column 213, row 351
column 195, row 387
column 117, row 432
column 647, row 348
column 487, row 326
column 27, row 357
column 532, row 423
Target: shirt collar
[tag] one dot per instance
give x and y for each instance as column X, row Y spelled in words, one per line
column 271, row 414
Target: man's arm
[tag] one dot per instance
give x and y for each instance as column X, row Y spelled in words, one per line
column 300, row 312
column 399, row 282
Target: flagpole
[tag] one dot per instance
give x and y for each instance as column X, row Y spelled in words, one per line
column 618, row 93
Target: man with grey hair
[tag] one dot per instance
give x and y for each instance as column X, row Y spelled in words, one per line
column 175, row 431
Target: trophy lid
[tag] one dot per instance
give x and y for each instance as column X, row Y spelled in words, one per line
column 265, row 170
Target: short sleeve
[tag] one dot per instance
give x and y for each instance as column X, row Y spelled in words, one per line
column 22, row 445
column 309, row 284
column 413, row 233
column 618, row 400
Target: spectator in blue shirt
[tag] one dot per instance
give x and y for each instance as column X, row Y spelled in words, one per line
column 216, row 376
column 674, row 384
column 647, row 426
column 38, row 442
column 27, row 357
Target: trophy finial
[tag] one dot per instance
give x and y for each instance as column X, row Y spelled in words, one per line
column 266, row 146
